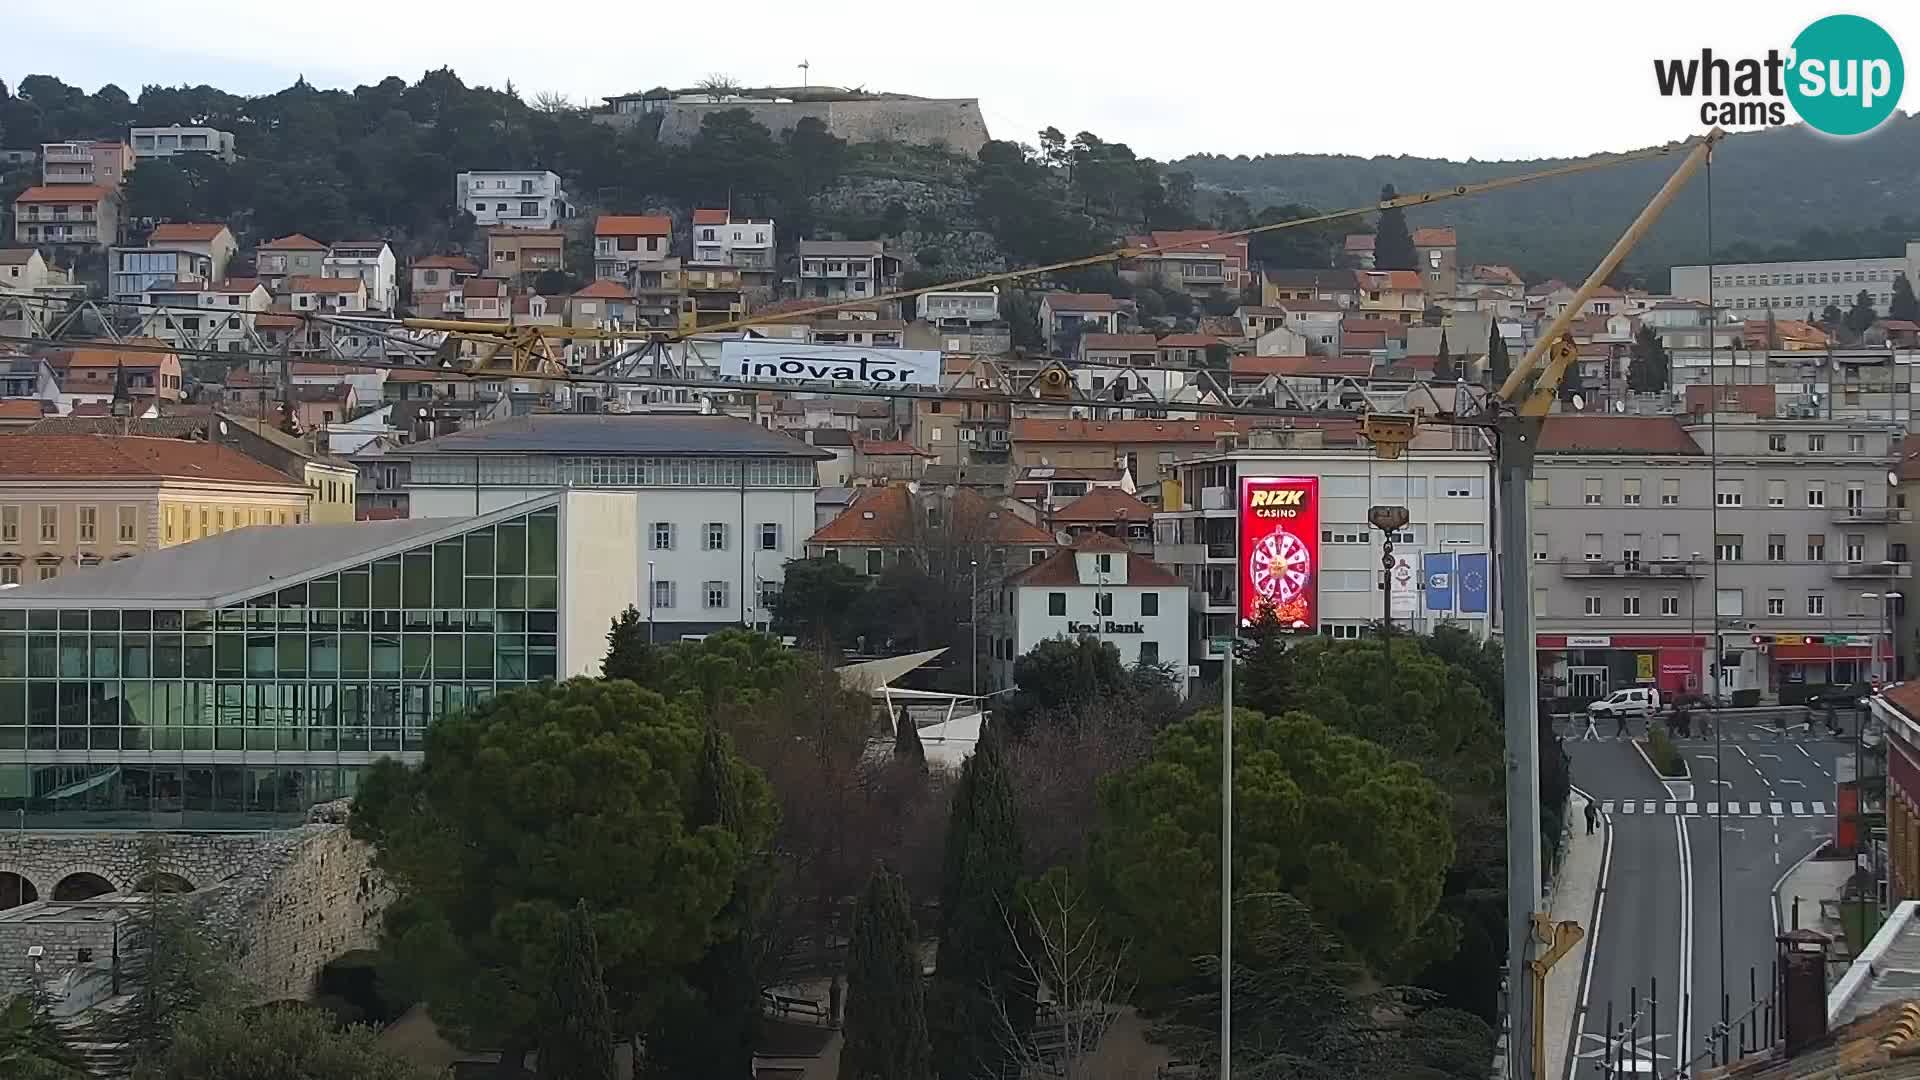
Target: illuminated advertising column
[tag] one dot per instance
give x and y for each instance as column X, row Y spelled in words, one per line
column 1280, row 549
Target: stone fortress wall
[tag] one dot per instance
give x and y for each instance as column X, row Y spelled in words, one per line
column 956, row 122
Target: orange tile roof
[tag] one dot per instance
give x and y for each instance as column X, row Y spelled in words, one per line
column 888, row 447
column 295, row 242
column 89, row 456
column 21, row 409
column 1360, row 241
column 1438, row 236
column 1061, row 568
column 1755, row 398
column 1326, row 367
column 709, row 217
column 1402, row 280
column 106, row 356
column 604, row 290
column 632, row 225
column 1118, row 342
column 1043, row 430
column 1101, row 505
column 1188, row 341
column 1067, row 301
column 483, row 287
column 1194, row 241
column 236, row 285
column 324, row 285
column 445, row 262
column 311, row 367
column 885, row 516
column 420, row 374
column 64, row 193
column 1360, row 324
column 1568, row 434
column 185, row 232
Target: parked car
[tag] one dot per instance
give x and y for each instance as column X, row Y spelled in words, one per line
column 1839, row 695
column 1633, row 701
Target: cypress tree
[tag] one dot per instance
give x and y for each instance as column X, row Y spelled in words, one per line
column 1902, row 304
column 1392, row 243
column 980, row 970
column 581, row 1045
column 1264, row 668
column 1498, row 366
column 629, row 654
column 1443, row 368
column 886, row 1024
column 906, row 740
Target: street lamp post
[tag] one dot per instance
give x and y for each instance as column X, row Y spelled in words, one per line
column 973, row 620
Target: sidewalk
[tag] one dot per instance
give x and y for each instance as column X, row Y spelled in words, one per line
column 1574, row 894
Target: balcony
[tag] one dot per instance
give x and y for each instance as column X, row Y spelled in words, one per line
column 1870, row 515
column 1179, row 554
column 1621, row 568
column 1872, row 571
column 1223, row 551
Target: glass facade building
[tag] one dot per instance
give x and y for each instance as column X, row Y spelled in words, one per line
column 247, row 712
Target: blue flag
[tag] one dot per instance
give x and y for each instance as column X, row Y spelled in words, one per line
column 1474, row 571
column 1437, row 568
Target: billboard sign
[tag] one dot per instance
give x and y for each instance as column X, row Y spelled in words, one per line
column 1280, row 549
column 791, row 361
column 1404, row 596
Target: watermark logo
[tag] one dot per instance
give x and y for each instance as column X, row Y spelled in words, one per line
column 1843, row 76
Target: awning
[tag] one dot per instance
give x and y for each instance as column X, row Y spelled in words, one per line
column 1799, row 653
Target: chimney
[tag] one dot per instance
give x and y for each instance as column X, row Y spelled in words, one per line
column 1802, row 991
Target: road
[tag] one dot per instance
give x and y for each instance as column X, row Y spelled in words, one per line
column 1688, row 867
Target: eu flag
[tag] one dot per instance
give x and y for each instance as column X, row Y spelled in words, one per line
column 1437, row 568
column 1474, row 570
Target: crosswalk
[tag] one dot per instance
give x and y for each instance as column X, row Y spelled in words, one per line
column 1767, row 808
column 1764, row 735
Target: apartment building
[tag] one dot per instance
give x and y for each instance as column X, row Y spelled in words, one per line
column 150, row 143
column 623, row 241
column 1437, row 255
column 514, row 254
column 845, row 269
column 68, row 501
column 745, row 243
column 83, row 161
column 1195, row 261
column 517, row 198
column 287, row 257
column 1794, row 288
column 1860, row 384
column 176, row 254
column 85, row 215
column 372, row 262
column 1647, row 545
column 1148, row 449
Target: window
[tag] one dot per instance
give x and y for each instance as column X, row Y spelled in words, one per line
column 1594, row 489
column 1630, row 550
column 1669, row 546
column 769, row 536
column 1539, row 547
column 9, row 524
column 1777, row 443
column 1103, row 603
column 1816, row 493
column 1344, row 534
column 49, row 524
column 1856, row 444
column 1816, row 603
column 1729, row 493
column 716, row 593
column 1817, row 548
column 1856, row 498
column 1729, row 602
column 1669, row 493
column 1464, row 533
column 1856, row 548
column 1149, row 652
column 1056, row 603
column 1777, row 492
column 716, row 536
column 9, row 575
column 1594, row 547
column 662, row 539
column 47, row 572
column 1670, row 604
column 1630, row 491
column 1816, row 444
column 1149, row 604
column 1036, row 556
column 1896, row 553
column 1462, row 487
column 1776, row 604
column 1727, row 547
column 1776, row 547
column 1593, row 605
column 662, row 594
column 875, row 560
column 127, row 518
column 1630, row 604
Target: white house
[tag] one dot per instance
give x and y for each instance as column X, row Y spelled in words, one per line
column 327, row 294
column 1101, row 589
column 165, row 142
column 520, row 198
column 623, row 241
column 959, row 308
column 724, row 503
column 741, row 242
column 372, row 262
column 1093, row 313
column 25, row 270
column 223, row 318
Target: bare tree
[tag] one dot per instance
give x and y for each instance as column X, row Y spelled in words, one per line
column 717, row 86
column 552, row 101
column 1076, row 972
column 1057, row 770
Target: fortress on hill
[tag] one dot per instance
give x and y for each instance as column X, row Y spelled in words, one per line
column 855, row 116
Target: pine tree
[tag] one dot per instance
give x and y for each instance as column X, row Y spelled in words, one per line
column 1650, row 369
column 629, row 654
column 1264, row 672
column 979, row 968
column 906, row 740
column 1393, row 244
column 886, row 1025
column 1443, row 366
column 582, row 1048
column 1903, row 305
column 1861, row 316
column 1773, row 331
column 1498, row 366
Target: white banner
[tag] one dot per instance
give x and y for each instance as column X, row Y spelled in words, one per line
column 786, row 361
column 1404, row 595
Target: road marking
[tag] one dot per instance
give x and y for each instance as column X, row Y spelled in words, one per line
column 1713, row 809
column 1671, row 809
column 1820, row 808
column 1627, row 807
column 1776, row 858
column 1753, row 808
column 1682, row 1030
column 1691, row 808
column 1799, row 808
column 1795, row 783
column 1774, row 809
column 1607, row 807
column 1648, row 808
column 1704, row 757
column 1768, row 757
column 1593, row 932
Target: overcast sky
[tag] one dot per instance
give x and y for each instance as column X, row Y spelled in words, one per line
column 1489, row 80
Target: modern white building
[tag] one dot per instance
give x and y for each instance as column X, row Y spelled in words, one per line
column 1100, row 589
column 521, row 198
column 165, row 142
column 722, row 503
column 371, row 261
column 1794, row 288
column 1442, row 478
column 742, row 242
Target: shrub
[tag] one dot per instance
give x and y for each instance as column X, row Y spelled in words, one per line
column 1664, row 755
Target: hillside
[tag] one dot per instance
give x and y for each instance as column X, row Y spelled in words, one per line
column 1769, row 188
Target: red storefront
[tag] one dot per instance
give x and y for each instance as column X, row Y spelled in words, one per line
column 1809, row 659
column 1669, row 661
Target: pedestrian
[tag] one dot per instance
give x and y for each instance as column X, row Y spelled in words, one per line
column 1683, row 719
column 1620, row 719
column 1593, row 816
column 1592, row 732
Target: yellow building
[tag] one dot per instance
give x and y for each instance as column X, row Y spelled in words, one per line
column 78, row 500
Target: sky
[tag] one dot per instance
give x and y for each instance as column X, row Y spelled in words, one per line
column 1487, row 79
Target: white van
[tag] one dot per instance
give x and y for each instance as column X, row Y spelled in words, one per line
column 1633, row 701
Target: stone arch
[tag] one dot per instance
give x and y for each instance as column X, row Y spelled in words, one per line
column 16, row 888
column 82, row 883
column 163, row 881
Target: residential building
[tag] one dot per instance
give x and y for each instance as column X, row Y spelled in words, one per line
column 1195, row 261
column 222, row 317
column 516, row 254
column 888, row 525
column 377, row 630
column 90, row 373
column 845, row 269
column 1398, row 295
column 62, row 214
column 712, row 296
column 382, row 488
column 165, row 142
column 1441, row 478
column 622, row 241
column 1358, row 249
column 1793, row 288
column 961, row 433
column 724, row 503
column 437, row 273
column 83, row 161
column 1133, row 375
column 886, row 459
column 24, row 376
column 211, row 239
column 835, row 329
column 68, row 501
column 1147, row 449
column 1106, row 510
column 176, row 254
column 289, row 257
column 1647, row 548
column 329, row 480
column 25, row 270
column 1437, row 251
column 1338, row 287
column 326, row 294
column 15, row 158
column 1065, row 316
column 1049, row 488
column 517, row 198
column 603, row 304
column 744, row 243
column 373, row 263
column 658, row 290
column 1859, row 384
column 1098, row 588
column 958, row 308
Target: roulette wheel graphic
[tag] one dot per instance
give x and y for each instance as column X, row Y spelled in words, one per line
column 1280, row 568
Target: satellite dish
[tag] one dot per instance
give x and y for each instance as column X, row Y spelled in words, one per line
column 1619, row 406
column 223, row 427
column 1579, row 402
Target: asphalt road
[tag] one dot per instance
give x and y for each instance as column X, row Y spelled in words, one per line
column 1688, row 866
